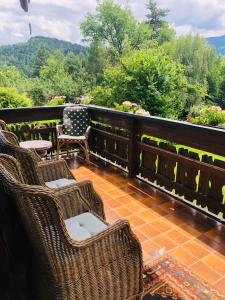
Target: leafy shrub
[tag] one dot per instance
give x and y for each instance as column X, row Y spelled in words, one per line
column 149, row 76
column 207, row 115
column 38, row 92
column 102, row 96
column 10, row 98
column 85, row 100
column 58, row 100
column 127, row 106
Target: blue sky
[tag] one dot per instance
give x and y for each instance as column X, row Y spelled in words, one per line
column 62, row 18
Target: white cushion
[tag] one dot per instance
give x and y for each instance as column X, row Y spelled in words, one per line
column 59, row 183
column 84, row 226
column 71, row 137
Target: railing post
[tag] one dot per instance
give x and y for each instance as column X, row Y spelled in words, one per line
column 132, row 149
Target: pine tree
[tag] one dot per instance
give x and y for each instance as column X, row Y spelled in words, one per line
column 155, row 17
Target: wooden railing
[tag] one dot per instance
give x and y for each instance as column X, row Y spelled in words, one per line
column 180, row 158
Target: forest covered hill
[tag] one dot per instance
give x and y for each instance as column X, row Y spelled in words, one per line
column 21, row 55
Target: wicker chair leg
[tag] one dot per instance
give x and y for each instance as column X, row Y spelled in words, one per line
column 57, row 151
column 87, row 156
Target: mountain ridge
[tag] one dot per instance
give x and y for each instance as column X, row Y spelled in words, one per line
column 218, row 42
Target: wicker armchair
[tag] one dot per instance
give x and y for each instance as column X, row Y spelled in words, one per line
column 50, row 174
column 75, row 129
column 105, row 266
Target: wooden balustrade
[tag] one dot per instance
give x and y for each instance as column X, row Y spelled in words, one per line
column 174, row 156
column 183, row 159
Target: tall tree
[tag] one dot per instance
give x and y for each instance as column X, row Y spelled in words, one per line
column 54, row 76
column 155, row 17
column 97, row 61
column 114, row 26
column 40, row 59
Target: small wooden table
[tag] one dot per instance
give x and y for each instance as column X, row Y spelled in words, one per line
column 41, row 146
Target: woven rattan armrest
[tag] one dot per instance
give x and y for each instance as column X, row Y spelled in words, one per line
column 92, row 197
column 71, row 201
column 53, row 170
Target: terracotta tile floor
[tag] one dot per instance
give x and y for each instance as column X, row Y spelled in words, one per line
column 162, row 224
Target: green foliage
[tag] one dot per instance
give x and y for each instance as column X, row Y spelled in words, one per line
column 10, row 98
column 102, row 96
column 220, row 100
column 115, row 27
column 40, row 59
column 207, row 115
column 85, row 100
column 55, row 101
column 22, row 55
column 155, row 17
column 96, row 61
column 11, row 77
column 75, row 66
column 127, row 106
column 148, row 76
column 38, row 91
column 201, row 65
column 198, row 58
column 55, row 78
column 141, row 61
column 166, row 34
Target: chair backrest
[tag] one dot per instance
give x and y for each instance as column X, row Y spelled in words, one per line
column 25, row 157
column 75, row 120
column 3, row 125
column 13, row 167
column 41, row 215
column 11, row 137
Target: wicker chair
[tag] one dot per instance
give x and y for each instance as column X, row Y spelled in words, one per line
column 75, row 129
column 105, row 266
column 52, row 174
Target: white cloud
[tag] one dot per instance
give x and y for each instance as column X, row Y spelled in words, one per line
column 62, row 18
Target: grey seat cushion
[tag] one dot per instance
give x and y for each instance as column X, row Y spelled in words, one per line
column 71, row 137
column 84, row 226
column 59, row 183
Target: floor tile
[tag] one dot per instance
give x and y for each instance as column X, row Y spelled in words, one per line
column 162, row 224
column 151, row 247
column 177, row 236
column 147, row 215
column 149, row 230
column 215, row 262
column 205, row 272
column 136, row 208
column 140, row 235
column 164, row 242
column 183, row 256
column 113, row 203
column 190, row 230
column 123, row 211
column 196, row 248
column 135, row 220
column 220, row 285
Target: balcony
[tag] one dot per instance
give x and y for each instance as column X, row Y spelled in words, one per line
column 166, row 177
